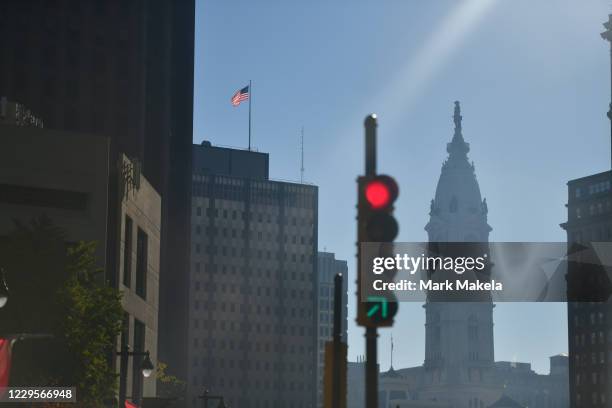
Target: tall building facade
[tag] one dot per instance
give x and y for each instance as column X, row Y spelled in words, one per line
column 123, row 69
column 589, row 219
column 459, row 354
column 253, row 326
column 328, row 267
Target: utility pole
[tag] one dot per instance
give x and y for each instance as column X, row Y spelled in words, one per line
column 371, row 333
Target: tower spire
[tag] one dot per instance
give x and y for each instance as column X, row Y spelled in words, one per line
column 458, row 147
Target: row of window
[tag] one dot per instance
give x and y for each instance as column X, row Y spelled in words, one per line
column 269, row 236
column 257, row 383
column 293, row 275
column 251, row 327
column 594, row 209
column 594, row 318
column 269, row 192
column 595, row 337
column 254, row 402
column 596, row 399
column 248, row 290
column 221, row 344
column 261, row 310
column 248, row 365
column 254, row 216
column 258, row 254
column 594, row 188
column 595, row 378
column 601, row 233
column 291, row 294
column 595, row 358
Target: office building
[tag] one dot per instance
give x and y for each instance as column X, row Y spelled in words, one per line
column 253, row 323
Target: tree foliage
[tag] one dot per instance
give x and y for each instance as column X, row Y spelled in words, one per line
column 168, row 386
column 57, row 289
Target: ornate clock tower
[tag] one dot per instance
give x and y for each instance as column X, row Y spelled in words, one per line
column 459, row 360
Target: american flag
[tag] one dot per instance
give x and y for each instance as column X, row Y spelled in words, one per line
column 241, row 95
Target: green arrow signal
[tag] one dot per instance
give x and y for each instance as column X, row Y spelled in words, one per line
column 381, row 302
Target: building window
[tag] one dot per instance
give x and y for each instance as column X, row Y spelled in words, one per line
column 141, row 263
column 139, row 345
column 127, row 252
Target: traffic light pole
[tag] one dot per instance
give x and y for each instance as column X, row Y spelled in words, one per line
column 371, row 376
column 371, row 335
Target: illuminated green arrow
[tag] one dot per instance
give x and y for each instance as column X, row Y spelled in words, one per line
column 380, row 301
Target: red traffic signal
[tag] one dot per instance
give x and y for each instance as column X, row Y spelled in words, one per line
column 380, row 192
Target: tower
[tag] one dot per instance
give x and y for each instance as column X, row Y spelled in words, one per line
column 459, row 357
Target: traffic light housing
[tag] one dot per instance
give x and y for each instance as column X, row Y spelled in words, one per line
column 376, row 224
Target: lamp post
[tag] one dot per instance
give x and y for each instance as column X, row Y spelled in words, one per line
column 4, row 291
column 146, row 367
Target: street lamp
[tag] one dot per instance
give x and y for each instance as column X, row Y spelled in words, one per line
column 4, row 291
column 146, row 368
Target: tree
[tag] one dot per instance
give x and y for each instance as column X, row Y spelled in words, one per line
column 168, row 386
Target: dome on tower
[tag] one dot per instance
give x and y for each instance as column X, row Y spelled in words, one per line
column 458, row 213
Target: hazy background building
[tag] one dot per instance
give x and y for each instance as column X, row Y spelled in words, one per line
column 253, row 326
column 328, row 267
column 123, row 69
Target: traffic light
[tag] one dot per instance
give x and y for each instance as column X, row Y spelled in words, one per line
column 376, row 224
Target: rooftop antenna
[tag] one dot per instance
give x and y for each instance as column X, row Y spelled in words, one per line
column 302, row 156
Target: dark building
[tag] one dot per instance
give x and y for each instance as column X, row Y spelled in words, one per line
column 123, row 69
column 589, row 219
column 328, row 267
column 253, row 322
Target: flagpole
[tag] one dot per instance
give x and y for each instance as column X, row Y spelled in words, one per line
column 250, row 99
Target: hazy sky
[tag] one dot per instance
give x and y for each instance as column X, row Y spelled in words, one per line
column 533, row 80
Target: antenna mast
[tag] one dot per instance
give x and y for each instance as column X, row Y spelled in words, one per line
column 302, row 157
